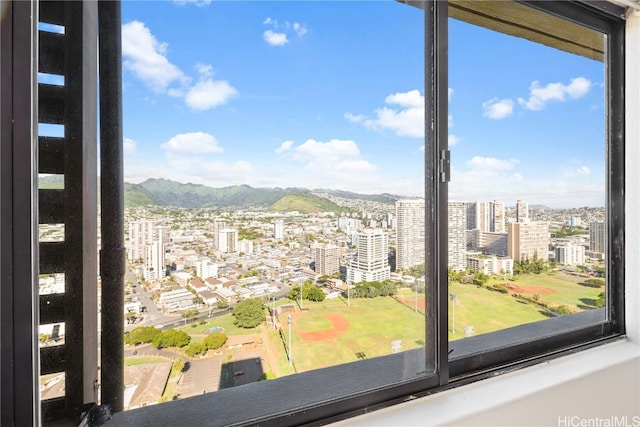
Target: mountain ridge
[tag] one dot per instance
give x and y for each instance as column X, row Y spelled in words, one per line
column 166, row 192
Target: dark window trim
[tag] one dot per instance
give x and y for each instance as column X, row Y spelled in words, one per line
column 210, row 409
column 474, row 358
column 494, row 350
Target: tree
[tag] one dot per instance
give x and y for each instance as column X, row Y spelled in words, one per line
column 563, row 309
column 480, row 279
column 416, row 271
column 215, row 340
column 595, row 282
column 194, row 349
column 178, row 365
column 601, row 300
column 315, row 294
column 171, row 338
column 249, row 313
column 142, row 334
column 189, row 314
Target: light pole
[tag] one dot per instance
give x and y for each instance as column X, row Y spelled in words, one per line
column 416, row 308
column 453, row 299
column 289, row 322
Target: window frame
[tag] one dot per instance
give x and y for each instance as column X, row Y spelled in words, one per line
column 505, row 350
column 524, row 345
column 442, row 372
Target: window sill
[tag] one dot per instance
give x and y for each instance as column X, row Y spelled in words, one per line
column 601, row 382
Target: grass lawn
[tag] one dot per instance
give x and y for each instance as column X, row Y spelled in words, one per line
column 226, row 322
column 143, row 360
column 487, row 310
column 372, row 325
column 568, row 290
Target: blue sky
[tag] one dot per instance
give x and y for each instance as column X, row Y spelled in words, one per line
column 330, row 95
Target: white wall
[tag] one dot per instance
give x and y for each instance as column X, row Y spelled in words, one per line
column 584, row 389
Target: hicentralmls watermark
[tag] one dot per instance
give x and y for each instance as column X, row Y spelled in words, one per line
column 612, row 421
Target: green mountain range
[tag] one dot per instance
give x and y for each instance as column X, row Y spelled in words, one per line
column 164, row 192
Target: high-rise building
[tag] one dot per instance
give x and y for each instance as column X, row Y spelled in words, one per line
column 490, row 264
column 528, row 240
column 497, row 217
column 205, row 268
column 327, row 259
column 409, row 233
column 278, row 229
column 371, row 262
column 228, row 240
column 140, row 233
column 246, row 246
column 487, row 242
column 522, row 211
column 154, row 267
column 457, row 225
column 597, row 234
column 218, row 224
column 473, row 217
column 570, row 254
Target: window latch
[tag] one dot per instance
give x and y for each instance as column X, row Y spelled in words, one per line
column 445, row 166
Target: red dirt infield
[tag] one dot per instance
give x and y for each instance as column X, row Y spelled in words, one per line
column 340, row 325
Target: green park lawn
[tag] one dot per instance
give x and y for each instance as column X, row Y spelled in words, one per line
column 226, row 322
column 568, row 290
column 487, row 310
column 373, row 325
column 144, row 360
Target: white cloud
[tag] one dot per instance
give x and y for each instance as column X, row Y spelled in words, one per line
column 300, row 29
column 275, row 39
column 327, row 151
column 281, row 36
column 580, row 171
column 449, row 120
column 449, row 94
column 129, row 145
column 337, row 158
column 203, row 170
column 286, row 146
column 539, row 95
column 146, row 58
column 354, row 118
column 192, row 143
column 208, row 93
column 497, row 108
column 454, row 140
column 491, row 164
column 205, row 70
column 411, row 99
column 199, row 3
column 405, row 120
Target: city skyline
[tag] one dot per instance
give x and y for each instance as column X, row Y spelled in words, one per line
column 300, row 99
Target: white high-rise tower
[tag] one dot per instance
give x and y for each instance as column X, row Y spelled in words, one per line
column 371, row 263
column 409, row 233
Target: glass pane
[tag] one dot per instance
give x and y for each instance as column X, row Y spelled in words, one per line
column 266, row 147
column 528, row 148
